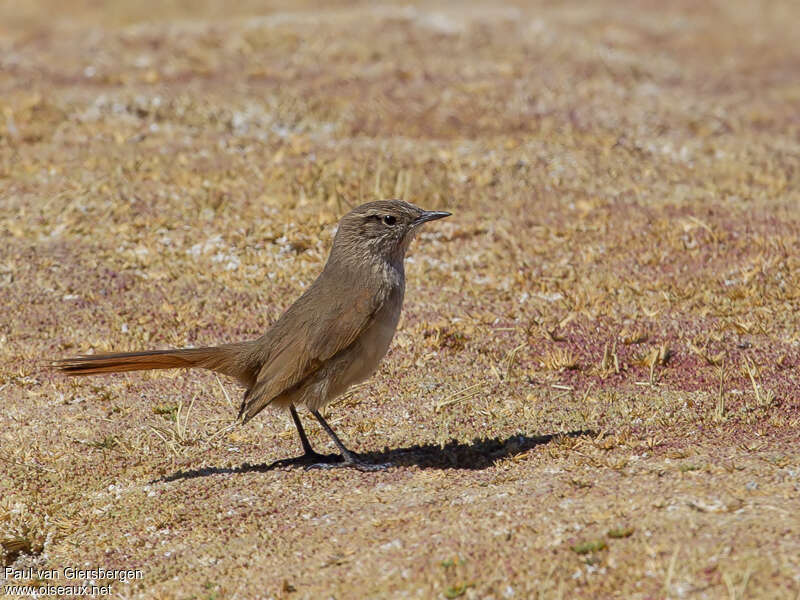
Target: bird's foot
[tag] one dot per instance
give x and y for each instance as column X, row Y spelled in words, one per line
column 308, row 460
column 352, row 462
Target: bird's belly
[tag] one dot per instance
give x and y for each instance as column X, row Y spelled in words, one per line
column 361, row 359
column 370, row 349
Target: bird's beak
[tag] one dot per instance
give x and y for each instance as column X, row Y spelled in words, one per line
column 430, row 215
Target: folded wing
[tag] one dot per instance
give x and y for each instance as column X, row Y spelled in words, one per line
column 296, row 352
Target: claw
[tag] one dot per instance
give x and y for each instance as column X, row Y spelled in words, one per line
column 307, row 460
column 359, row 465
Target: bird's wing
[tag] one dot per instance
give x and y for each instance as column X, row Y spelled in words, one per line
column 304, row 341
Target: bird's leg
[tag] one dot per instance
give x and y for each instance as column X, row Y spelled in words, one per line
column 351, row 459
column 308, row 451
column 310, row 456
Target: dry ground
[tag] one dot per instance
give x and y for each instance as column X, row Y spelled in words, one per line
column 594, row 391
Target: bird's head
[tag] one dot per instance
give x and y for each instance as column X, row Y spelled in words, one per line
column 382, row 228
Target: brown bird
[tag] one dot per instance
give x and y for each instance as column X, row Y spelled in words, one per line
column 332, row 337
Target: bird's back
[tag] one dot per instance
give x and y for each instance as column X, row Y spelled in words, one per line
column 351, row 310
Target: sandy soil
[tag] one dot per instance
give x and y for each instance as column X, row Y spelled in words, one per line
column 594, row 389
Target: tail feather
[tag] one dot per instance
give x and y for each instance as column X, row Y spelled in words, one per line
column 229, row 360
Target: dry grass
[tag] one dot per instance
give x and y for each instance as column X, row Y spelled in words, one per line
column 594, row 389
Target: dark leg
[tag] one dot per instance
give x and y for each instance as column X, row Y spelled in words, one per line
column 351, row 459
column 307, row 449
column 309, row 457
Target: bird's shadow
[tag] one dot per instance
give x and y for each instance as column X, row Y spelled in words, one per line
column 476, row 455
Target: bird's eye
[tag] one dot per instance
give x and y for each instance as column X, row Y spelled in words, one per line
column 389, row 220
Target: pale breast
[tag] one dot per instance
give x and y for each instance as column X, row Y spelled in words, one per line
column 362, row 357
column 374, row 343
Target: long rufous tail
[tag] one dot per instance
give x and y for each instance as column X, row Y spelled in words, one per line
column 230, row 360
